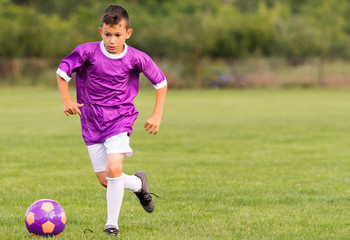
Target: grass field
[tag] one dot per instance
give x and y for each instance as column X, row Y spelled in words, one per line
column 250, row 164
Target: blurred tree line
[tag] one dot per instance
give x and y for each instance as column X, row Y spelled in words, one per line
column 188, row 31
column 182, row 28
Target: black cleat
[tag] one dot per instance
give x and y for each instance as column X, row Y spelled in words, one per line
column 111, row 230
column 144, row 196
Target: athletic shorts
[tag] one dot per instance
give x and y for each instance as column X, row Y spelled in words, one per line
column 116, row 144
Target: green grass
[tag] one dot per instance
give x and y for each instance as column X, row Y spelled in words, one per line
column 250, row 164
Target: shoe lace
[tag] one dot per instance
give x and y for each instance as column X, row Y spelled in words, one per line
column 155, row 195
column 88, row 230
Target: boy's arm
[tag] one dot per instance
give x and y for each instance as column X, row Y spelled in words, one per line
column 70, row 107
column 153, row 122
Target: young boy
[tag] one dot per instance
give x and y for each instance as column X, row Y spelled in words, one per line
column 107, row 81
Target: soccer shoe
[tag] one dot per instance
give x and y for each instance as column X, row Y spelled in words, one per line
column 144, row 196
column 111, row 230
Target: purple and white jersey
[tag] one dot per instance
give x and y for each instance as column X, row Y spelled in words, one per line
column 107, row 85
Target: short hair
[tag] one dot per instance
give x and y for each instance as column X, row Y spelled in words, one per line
column 114, row 14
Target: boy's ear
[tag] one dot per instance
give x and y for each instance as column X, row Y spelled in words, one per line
column 128, row 33
column 100, row 30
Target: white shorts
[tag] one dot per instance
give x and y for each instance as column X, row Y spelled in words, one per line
column 116, row 144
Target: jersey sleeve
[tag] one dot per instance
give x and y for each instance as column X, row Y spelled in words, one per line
column 72, row 62
column 152, row 71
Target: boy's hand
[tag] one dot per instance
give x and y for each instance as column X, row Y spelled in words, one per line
column 71, row 107
column 152, row 124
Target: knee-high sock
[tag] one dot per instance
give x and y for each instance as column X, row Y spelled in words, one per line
column 115, row 194
column 132, row 183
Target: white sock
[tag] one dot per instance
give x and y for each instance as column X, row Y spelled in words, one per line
column 115, row 194
column 132, row 183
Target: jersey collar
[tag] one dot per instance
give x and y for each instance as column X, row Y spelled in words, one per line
column 113, row 56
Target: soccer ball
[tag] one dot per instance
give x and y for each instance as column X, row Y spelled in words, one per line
column 45, row 217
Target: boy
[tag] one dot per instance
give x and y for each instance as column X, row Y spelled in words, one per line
column 107, row 81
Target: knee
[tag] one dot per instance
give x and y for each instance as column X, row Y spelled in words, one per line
column 101, row 176
column 114, row 171
column 103, row 181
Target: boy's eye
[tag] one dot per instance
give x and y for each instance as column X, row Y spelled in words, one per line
column 118, row 35
column 108, row 35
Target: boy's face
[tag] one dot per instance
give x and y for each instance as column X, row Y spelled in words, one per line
column 115, row 36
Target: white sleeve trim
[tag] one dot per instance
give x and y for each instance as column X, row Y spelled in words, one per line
column 63, row 75
column 161, row 84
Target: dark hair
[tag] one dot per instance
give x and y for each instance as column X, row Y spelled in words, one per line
column 114, row 14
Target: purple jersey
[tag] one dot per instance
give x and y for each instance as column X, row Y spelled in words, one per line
column 107, row 85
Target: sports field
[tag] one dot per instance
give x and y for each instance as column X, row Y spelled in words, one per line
column 249, row 164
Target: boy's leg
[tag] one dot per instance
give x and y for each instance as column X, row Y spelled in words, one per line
column 107, row 160
column 102, row 178
column 132, row 183
column 138, row 184
column 115, row 188
column 98, row 156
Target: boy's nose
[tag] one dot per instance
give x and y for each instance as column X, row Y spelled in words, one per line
column 112, row 40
